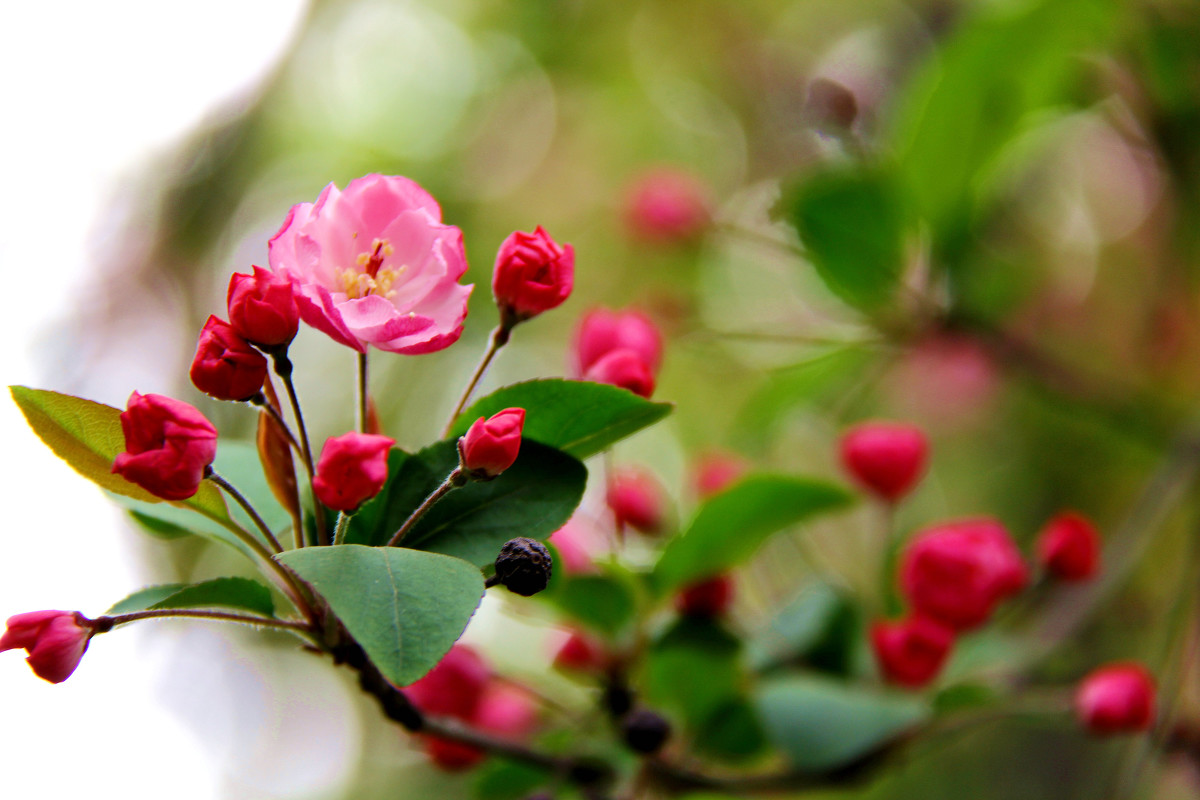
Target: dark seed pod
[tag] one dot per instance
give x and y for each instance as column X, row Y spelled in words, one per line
column 523, row 566
column 645, row 731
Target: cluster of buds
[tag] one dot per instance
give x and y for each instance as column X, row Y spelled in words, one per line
column 623, row 348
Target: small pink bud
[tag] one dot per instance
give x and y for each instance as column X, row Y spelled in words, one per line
column 708, row 598
column 226, row 366
column 168, row 446
column 351, row 470
column 262, row 308
column 911, row 652
column 491, row 444
column 956, row 572
column 601, row 331
column 1069, row 547
column 887, row 458
column 636, row 500
column 533, row 274
column 717, row 471
column 1116, row 698
column 454, row 686
column 667, row 205
column 55, row 641
column 581, row 653
column 623, row 368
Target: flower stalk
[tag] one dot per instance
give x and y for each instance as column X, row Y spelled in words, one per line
column 454, row 480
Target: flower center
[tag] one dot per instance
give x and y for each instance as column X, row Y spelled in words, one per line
column 369, row 276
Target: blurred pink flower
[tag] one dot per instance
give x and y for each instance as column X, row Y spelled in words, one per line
column 667, row 204
column 374, row 265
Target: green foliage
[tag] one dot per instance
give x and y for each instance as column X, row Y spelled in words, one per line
column 577, row 417
column 821, row 725
column 405, row 607
column 605, row 602
column 730, row 527
column 820, row 626
column 732, row 731
column 502, row 779
column 852, row 225
column 241, row 593
column 693, row 670
column 534, row 497
column 87, row 435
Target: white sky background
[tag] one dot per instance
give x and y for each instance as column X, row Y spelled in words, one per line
column 87, row 91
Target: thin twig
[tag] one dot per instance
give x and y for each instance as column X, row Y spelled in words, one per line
column 247, row 507
column 454, row 480
column 498, row 339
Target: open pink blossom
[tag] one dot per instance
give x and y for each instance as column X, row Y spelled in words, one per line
column 374, row 265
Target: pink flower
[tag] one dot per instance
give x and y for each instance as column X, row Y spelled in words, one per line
column 352, row 469
column 911, row 652
column 168, row 446
column 716, row 471
column 573, row 554
column 579, row 652
column 623, row 368
column 533, row 274
column 262, row 309
column 667, row 205
column 957, row 572
column 225, row 365
column 886, row 458
column 490, row 445
column 374, row 265
column 1116, row 698
column 636, row 500
column 454, row 686
column 1069, row 547
column 707, row 598
column 55, row 641
column 601, row 331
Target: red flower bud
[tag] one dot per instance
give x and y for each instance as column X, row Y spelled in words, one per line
column 667, row 205
column 636, row 500
column 490, row 445
column 716, row 471
column 168, row 446
column 454, row 686
column 601, row 331
column 911, row 652
column 226, row 366
column 1069, row 547
column 887, row 458
column 581, row 653
column 707, row 598
column 957, row 572
column 262, row 308
column 1116, row 698
column 55, row 641
column 623, row 368
column 533, row 273
column 351, row 470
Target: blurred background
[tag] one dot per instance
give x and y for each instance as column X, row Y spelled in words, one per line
column 1042, row 159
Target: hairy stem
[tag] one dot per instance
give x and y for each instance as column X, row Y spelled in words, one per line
column 454, row 480
column 247, row 507
column 283, row 368
column 106, row 623
column 499, row 338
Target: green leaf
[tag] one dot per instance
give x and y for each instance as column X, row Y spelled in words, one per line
column 503, row 779
column 852, row 225
column 238, row 463
column 965, row 105
column 822, row 725
column 577, row 417
column 534, row 497
column 603, row 602
column 798, row 627
column 405, row 607
column 241, row 593
column 730, row 527
column 732, row 732
column 87, row 435
column 159, row 528
column 693, row 669
column 174, row 520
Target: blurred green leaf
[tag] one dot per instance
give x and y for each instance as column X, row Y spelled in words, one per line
column 809, row 624
column 534, row 497
column 822, row 725
column 241, row 593
column 160, row 528
column 502, row 779
column 1006, row 63
column 405, row 607
column 730, row 527
column 87, row 435
column 964, row 696
column 732, row 732
column 852, row 225
column 238, row 462
column 603, row 602
column 692, row 668
column 577, row 417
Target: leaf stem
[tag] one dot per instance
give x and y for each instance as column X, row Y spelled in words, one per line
column 454, row 480
column 498, row 339
column 247, row 507
column 283, row 368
